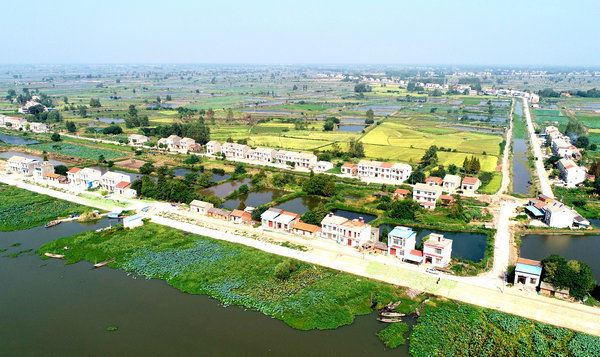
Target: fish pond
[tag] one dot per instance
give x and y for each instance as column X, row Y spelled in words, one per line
column 16, row 140
column 302, row 204
column 253, row 199
column 225, row 188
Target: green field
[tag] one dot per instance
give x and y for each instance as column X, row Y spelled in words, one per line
column 22, row 209
column 81, row 151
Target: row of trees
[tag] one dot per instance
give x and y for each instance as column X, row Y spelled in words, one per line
column 472, row 165
column 195, row 129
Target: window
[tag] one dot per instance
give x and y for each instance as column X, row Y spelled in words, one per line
column 438, row 251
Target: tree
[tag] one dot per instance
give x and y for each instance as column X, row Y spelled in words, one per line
column 82, row 110
column 229, row 114
column 452, row 169
column 573, row 275
column 457, row 211
column 55, row 137
column 404, row 209
column 258, row 211
column 328, row 126
column 416, row 176
column 112, row 129
column 61, row 170
column 146, row 168
column 321, row 184
column 240, row 169
column 356, row 148
column 169, row 98
column 132, row 112
column 430, row 157
column 285, row 269
column 71, row 128
column 95, row 103
column 316, row 215
column 101, row 158
column 362, row 88
column 582, row 142
column 370, row 115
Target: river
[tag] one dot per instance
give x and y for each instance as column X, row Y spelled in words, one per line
column 49, row 308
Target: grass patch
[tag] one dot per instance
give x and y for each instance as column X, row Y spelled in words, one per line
column 393, row 335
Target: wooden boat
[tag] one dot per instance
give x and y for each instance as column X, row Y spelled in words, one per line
column 388, row 320
column 101, row 264
column 393, row 305
column 103, row 229
column 57, row 256
column 52, row 223
column 112, row 215
column 391, row 314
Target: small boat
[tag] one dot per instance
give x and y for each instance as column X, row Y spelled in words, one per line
column 52, row 255
column 388, row 320
column 393, row 305
column 99, row 265
column 103, row 229
column 52, row 223
column 112, row 215
column 391, row 314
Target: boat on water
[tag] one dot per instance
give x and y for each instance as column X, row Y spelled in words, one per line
column 112, row 215
column 388, row 320
column 390, row 314
column 52, row 223
column 52, row 255
column 99, row 265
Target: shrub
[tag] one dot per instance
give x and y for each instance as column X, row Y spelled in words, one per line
column 285, row 269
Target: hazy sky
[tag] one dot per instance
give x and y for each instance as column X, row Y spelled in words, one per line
column 346, row 31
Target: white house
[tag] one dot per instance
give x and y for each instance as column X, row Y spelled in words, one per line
column 187, row 144
column 330, row 226
column 562, row 148
column 299, row 159
column 110, row 179
column 570, row 173
column 344, row 231
column 470, row 184
column 137, row 139
column 393, row 173
column 14, row 163
column 274, row 218
column 451, row 183
column 171, row 143
column 401, row 241
column 306, row 230
column 22, row 165
column 234, row 150
column 89, row 177
column 426, row 195
column 349, row 169
column 437, row 250
column 124, row 189
column 39, row 127
column 528, row 273
column 558, row 215
column 200, row 207
column 323, row 166
column 261, row 154
column 213, row 147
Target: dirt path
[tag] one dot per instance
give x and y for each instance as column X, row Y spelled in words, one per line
column 537, row 152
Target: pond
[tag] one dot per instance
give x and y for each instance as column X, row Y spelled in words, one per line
column 351, row 128
column 521, row 176
column 69, row 307
column 225, row 188
column 570, row 246
column 302, row 204
column 354, row 215
column 16, row 140
column 9, row 154
column 253, row 199
column 111, row 120
column 465, row 245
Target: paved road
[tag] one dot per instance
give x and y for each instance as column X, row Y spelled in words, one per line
column 537, row 152
column 506, row 156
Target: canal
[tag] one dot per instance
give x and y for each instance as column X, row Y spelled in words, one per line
column 521, row 175
column 570, row 246
column 47, row 307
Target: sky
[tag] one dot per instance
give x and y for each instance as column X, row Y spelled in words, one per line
column 486, row 32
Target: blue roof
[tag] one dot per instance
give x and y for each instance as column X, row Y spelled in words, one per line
column 132, row 218
column 529, row 269
column 402, row 232
column 534, row 211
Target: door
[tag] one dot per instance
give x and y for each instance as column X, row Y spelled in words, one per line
column 349, row 241
column 393, row 251
column 270, row 224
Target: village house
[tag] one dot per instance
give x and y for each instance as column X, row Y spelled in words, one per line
column 323, row 166
column 261, row 154
column 73, row 176
column 171, row 143
column 548, row 289
column 570, row 173
column 38, row 127
column 137, row 139
column 55, row 178
column 89, row 177
column 401, row 240
column 200, row 207
column 393, row 173
column 187, row 144
column 401, row 193
column 434, row 181
column 437, row 250
column 110, row 179
column 470, row 184
column 218, row 213
column 13, row 164
column 31, row 103
column 240, row 217
column 22, row 165
column 306, row 230
column 563, row 148
column 447, row 200
column 13, row 123
column 349, row 169
column 275, row 218
column 528, row 272
column 133, row 221
column 234, row 150
column 213, row 147
column 330, row 226
column 344, row 231
column 426, row 195
column 124, row 189
column 451, row 183
column 297, row 159
column 41, row 170
column 558, row 215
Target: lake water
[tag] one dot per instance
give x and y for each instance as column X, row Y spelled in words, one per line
column 111, row 120
column 465, row 245
column 354, row 215
column 301, row 204
column 253, row 199
column 48, row 307
column 9, row 154
column 214, row 178
column 16, row 140
column 351, row 128
column 570, row 246
column 225, row 188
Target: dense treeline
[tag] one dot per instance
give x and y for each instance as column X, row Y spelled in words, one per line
column 195, row 129
column 551, row 93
